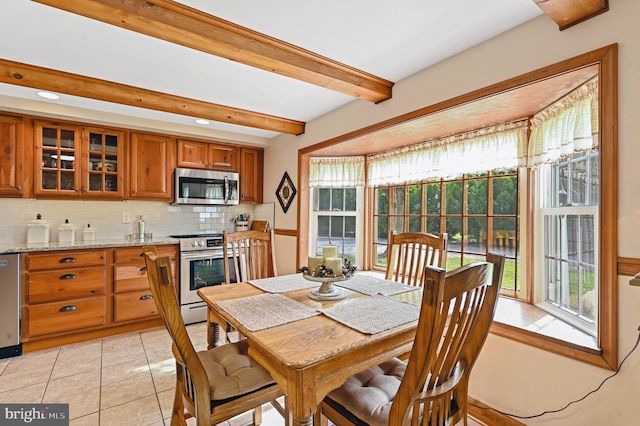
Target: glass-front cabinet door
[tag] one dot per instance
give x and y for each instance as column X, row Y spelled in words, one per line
column 104, row 175
column 58, row 154
column 77, row 161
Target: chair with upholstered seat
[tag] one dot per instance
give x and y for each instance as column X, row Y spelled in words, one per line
column 431, row 388
column 251, row 255
column 410, row 252
column 213, row 385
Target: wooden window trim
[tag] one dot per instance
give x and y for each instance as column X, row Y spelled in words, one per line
column 606, row 59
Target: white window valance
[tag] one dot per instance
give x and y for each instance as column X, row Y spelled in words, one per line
column 491, row 148
column 336, row 171
column 567, row 126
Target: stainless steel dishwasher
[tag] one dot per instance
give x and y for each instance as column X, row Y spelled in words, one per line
column 10, row 305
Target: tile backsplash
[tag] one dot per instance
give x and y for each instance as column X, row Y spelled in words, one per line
column 105, row 217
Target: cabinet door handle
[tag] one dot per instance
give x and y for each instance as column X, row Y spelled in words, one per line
column 68, row 260
column 19, row 188
column 146, row 297
column 143, row 269
column 68, row 277
column 68, row 308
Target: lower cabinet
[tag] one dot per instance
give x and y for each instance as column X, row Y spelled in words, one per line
column 132, row 298
column 71, row 292
column 64, row 291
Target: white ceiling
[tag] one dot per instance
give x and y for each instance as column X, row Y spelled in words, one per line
column 370, row 35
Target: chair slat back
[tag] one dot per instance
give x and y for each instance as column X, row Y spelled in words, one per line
column 251, row 255
column 164, row 294
column 410, row 252
column 456, row 314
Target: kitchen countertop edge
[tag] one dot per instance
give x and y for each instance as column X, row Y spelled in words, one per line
column 7, row 248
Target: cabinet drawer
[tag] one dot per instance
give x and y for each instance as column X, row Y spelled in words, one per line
column 66, row 316
column 65, row 284
column 135, row 255
column 133, row 305
column 65, row 259
column 130, row 277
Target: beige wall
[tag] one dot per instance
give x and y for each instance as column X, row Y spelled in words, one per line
column 510, row 376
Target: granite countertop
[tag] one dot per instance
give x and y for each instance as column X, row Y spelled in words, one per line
column 52, row 246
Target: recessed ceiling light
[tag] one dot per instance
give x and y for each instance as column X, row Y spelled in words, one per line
column 48, row 95
column 202, row 121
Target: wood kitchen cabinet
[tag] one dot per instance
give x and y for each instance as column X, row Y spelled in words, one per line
column 75, row 295
column 74, row 161
column 63, row 291
column 152, row 162
column 132, row 297
column 12, row 157
column 251, row 175
column 204, row 155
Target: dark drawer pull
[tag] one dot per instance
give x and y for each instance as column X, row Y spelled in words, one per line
column 68, row 308
column 68, row 277
column 142, row 254
column 68, row 260
column 143, row 269
column 146, row 297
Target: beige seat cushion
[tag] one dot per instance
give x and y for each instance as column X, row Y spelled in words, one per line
column 369, row 394
column 232, row 372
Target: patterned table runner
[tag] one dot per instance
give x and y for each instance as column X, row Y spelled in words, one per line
column 283, row 283
column 266, row 310
column 373, row 315
column 371, row 285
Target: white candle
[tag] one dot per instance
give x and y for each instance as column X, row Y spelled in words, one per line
column 313, row 261
column 334, row 263
column 329, row 251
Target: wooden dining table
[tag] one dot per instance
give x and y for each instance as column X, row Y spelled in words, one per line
column 309, row 358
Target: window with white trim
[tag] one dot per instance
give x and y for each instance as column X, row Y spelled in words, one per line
column 336, row 198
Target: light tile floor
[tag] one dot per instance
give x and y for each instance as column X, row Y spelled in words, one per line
column 122, row 380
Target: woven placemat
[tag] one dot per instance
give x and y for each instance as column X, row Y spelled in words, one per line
column 266, row 310
column 283, row 283
column 373, row 315
column 369, row 284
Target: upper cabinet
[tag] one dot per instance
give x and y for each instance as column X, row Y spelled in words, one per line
column 12, row 157
column 75, row 161
column 204, row 155
column 152, row 162
column 251, row 175
column 105, row 174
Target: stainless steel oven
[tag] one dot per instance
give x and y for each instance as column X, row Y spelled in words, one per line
column 201, row 265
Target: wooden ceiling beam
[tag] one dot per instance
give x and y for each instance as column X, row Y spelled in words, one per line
column 87, row 87
column 180, row 24
column 566, row 13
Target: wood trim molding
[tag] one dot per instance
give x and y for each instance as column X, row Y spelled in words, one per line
column 180, row 24
column 628, row 266
column 26, row 75
column 287, row 232
column 487, row 415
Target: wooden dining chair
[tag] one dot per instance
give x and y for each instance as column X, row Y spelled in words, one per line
column 213, row 385
column 410, row 252
column 431, row 388
column 251, row 255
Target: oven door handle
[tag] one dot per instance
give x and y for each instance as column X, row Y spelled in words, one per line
column 202, row 255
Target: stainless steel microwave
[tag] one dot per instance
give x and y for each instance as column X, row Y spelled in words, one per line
column 194, row 186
